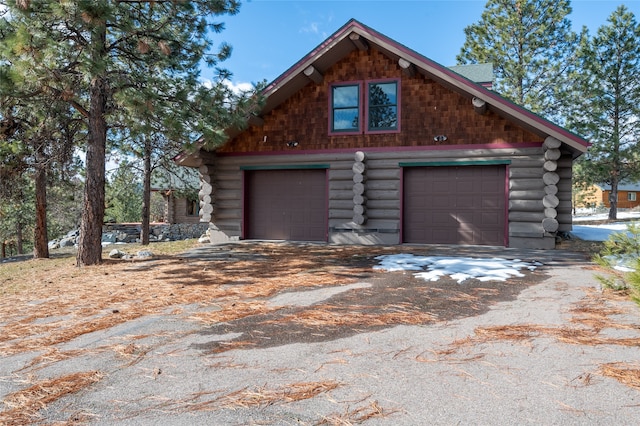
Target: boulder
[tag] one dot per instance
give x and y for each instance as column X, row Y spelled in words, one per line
column 144, row 254
column 68, row 242
column 116, row 254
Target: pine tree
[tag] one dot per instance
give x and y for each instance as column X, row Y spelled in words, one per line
column 531, row 46
column 608, row 113
column 37, row 142
column 106, row 58
column 124, row 195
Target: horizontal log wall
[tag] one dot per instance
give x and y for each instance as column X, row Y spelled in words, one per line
column 378, row 198
column 565, row 188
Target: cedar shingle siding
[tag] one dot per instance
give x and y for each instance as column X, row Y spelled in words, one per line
column 428, row 109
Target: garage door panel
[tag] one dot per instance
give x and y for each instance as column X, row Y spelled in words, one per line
column 454, row 205
column 286, row 205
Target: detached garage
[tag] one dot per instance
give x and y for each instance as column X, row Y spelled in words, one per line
column 365, row 141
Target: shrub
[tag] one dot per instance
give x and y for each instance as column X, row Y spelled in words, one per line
column 633, row 281
column 621, row 253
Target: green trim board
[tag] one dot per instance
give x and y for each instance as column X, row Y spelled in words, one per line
column 455, row 163
column 286, row 167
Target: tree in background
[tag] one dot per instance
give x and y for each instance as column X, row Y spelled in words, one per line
column 17, row 212
column 532, row 48
column 96, row 56
column 64, row 204
column 124, row 195
column 38, row 145
column 608, row 112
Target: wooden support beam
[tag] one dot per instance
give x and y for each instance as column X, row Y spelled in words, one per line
column 358, row 41
column 313, row 74
column 407, row 67
column 479, row 105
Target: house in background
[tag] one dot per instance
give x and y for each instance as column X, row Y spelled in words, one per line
column 598, row 196
column 365, row 141
column 179, row 191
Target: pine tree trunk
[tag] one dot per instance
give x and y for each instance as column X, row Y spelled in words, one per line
column 40, row 239
column 19, row 237
column 90, row 241
column 613, row 199
column 146, row 193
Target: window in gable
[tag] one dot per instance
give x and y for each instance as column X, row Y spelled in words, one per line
column 345, row 108
column 379, row 112
column 382, row 106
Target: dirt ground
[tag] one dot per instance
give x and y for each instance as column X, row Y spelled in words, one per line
column 72, row 338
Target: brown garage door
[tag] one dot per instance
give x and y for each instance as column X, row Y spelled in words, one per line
column 286, row 205
column 454, row 205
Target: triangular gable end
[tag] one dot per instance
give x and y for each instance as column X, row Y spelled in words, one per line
column 355, row 35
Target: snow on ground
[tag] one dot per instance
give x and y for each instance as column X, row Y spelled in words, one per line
column 603, row 231
column 431, row 268
column 458, row 268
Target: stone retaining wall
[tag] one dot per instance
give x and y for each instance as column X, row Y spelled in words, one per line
column 130, row 233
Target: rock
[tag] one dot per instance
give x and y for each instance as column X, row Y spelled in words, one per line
column 116, row 254
column 55, row 244
column 109, row 237
column 68, row 242
column 204, row 238
column 144, row 254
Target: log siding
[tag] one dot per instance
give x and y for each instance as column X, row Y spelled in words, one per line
column 381, row 194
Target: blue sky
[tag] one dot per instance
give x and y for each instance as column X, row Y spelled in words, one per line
column 269, row 36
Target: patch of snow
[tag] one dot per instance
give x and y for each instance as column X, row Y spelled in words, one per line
column 597, row 232
column 604, row 216
column 603, row 231
column 458, row 268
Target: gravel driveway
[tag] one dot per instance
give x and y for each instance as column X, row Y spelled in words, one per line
column 388, row 349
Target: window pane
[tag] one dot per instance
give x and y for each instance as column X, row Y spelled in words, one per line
column 383, row 118
column 346, row 108
column 345, row 96
column 345, row 119
column 383, row 94
column 383, row 106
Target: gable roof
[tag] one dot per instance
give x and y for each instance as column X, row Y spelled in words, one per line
column 478, row 73
column 355, row 35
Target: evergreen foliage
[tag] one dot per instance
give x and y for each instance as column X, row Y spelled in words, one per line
column 622, row 249
column 532, row 48
column 608, row 111
column 124, row 195
column 117, row 63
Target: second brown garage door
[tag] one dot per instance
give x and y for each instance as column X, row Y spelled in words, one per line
column 286, row 205
column 454, row 205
